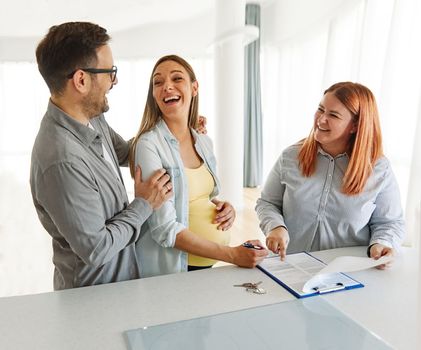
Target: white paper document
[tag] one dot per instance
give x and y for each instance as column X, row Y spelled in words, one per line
column 353, row 263
column 304, row 275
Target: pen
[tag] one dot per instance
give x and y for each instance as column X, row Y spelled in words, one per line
column 252, row 246
column 333, row 288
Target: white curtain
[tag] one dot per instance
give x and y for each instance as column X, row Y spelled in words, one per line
column 25, row 250
column 374, row 42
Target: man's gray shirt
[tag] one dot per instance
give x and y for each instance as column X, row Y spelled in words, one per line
column 81, row 202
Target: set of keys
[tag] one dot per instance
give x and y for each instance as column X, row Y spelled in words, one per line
column 252, row 287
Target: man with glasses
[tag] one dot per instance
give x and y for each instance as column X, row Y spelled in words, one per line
column 76, row 184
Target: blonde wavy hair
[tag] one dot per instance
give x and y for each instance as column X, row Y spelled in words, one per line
column 365, row 146
column 152, row 114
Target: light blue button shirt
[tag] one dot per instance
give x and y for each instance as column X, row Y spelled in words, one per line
column 319, row 216
column 156, row 149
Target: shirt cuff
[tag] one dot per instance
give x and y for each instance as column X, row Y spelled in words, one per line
column 273, row 226
column 142, row 207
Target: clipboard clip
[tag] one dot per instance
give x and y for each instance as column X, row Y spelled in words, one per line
column 328, row 289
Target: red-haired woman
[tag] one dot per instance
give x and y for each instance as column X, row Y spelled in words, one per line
column 334, row 188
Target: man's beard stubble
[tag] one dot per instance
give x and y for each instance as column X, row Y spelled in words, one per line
column 94, row 104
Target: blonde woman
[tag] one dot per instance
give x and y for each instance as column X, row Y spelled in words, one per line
column 188, row 232
column 335, row 188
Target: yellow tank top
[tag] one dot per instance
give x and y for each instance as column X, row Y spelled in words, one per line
column 202, row 212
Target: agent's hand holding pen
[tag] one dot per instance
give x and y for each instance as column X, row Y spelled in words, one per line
column 277, row 241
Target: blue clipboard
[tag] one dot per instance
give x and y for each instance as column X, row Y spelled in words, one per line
column 329, row 284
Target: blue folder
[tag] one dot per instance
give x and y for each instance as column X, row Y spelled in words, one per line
column 279, row 270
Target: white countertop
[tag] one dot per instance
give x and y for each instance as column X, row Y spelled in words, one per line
column 96, row 317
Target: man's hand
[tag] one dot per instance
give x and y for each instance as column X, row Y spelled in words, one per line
column 277, row 241
column 378, row 250
column 248, row 257
column 201, row 129
column 225, row 215
column 156, row 190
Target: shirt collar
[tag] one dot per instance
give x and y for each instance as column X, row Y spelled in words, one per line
column 163, row 127
column 79, row 130
column 322, row 152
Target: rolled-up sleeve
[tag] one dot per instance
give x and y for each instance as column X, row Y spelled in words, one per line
column 163, row 223
column 387, row 225
column 77, row 211
column 269, row 205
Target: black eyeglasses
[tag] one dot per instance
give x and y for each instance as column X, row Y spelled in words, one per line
column 112, row 71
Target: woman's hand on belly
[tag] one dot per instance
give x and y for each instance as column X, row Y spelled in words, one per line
column 225, row 215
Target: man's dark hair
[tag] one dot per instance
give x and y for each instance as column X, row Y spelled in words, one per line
column 67, row 47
